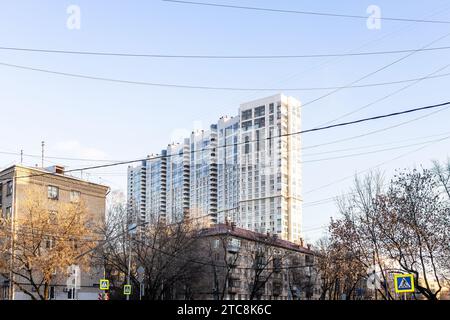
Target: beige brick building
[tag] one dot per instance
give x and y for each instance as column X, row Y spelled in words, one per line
column 16, row 181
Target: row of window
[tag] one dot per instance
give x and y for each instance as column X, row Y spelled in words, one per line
column 53, row 194
column 259, row 111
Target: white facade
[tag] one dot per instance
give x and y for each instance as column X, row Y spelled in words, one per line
column 245, row 168
column 270, row 167
column 156, row 185
column 178, row 181
column 136, row 194
column 228, row 162
column 203, row 174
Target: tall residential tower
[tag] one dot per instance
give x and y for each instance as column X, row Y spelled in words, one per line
column 245, row 168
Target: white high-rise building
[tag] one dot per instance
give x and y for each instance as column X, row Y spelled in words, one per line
column 136, row 195
column 228, row 163
column 203, row 174
column 245, row 168
column 270, row 167
column 156, row 187
column 177, row 181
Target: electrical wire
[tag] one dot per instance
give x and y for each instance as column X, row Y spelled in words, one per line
column 375, row 151
column 375, row 131
column 343, row 124
column 313, row 13
column 374, row 145
column 369, row 169
column 184, row 86
column 198, row 56
column 409, row 85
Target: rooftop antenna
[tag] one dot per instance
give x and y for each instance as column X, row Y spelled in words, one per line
column 42, row 145
column 21, row 156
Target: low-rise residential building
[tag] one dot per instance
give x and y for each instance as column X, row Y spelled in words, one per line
column 240, row 264
column 16, row 183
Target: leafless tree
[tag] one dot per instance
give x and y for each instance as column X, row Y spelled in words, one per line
column 413, row 225
column 402, row 228
column 164, row 251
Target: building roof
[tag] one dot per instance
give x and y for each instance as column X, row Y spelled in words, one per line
column 228, row 229
column 44, row 172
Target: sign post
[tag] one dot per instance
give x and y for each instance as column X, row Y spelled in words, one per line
column 141, row 275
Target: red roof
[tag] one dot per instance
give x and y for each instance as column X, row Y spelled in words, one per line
column 223, row 229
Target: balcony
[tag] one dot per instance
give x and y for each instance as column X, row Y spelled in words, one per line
column 234, row 246
column 234, row 284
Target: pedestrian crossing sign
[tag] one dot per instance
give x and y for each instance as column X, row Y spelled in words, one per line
column 404, row 283
column 127, row 289
column 104, row 284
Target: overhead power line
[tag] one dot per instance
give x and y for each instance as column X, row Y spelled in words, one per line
column 304, row 154
column 373, row 145
column 303, row 12
column 185, row 86
column 57, row 158
column 389, row 95
column 374, row 167
column 376, row 131
column 343, row 124
column 374, row 151
column 219, row 57
column 370, row 74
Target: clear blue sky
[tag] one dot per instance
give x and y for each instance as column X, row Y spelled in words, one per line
column 92, row 119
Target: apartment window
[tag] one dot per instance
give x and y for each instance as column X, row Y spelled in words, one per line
column 49, row 243
column 247, row 114
column 260, row 123
column 277, row 264
column 258, row 140
column 247, row 145
column 74, row 244
column 271, row 108
column 8, row 212
column 75, row 196
column 260, row 111
column 246, row 125
column 53, row 192
column 9, row 188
